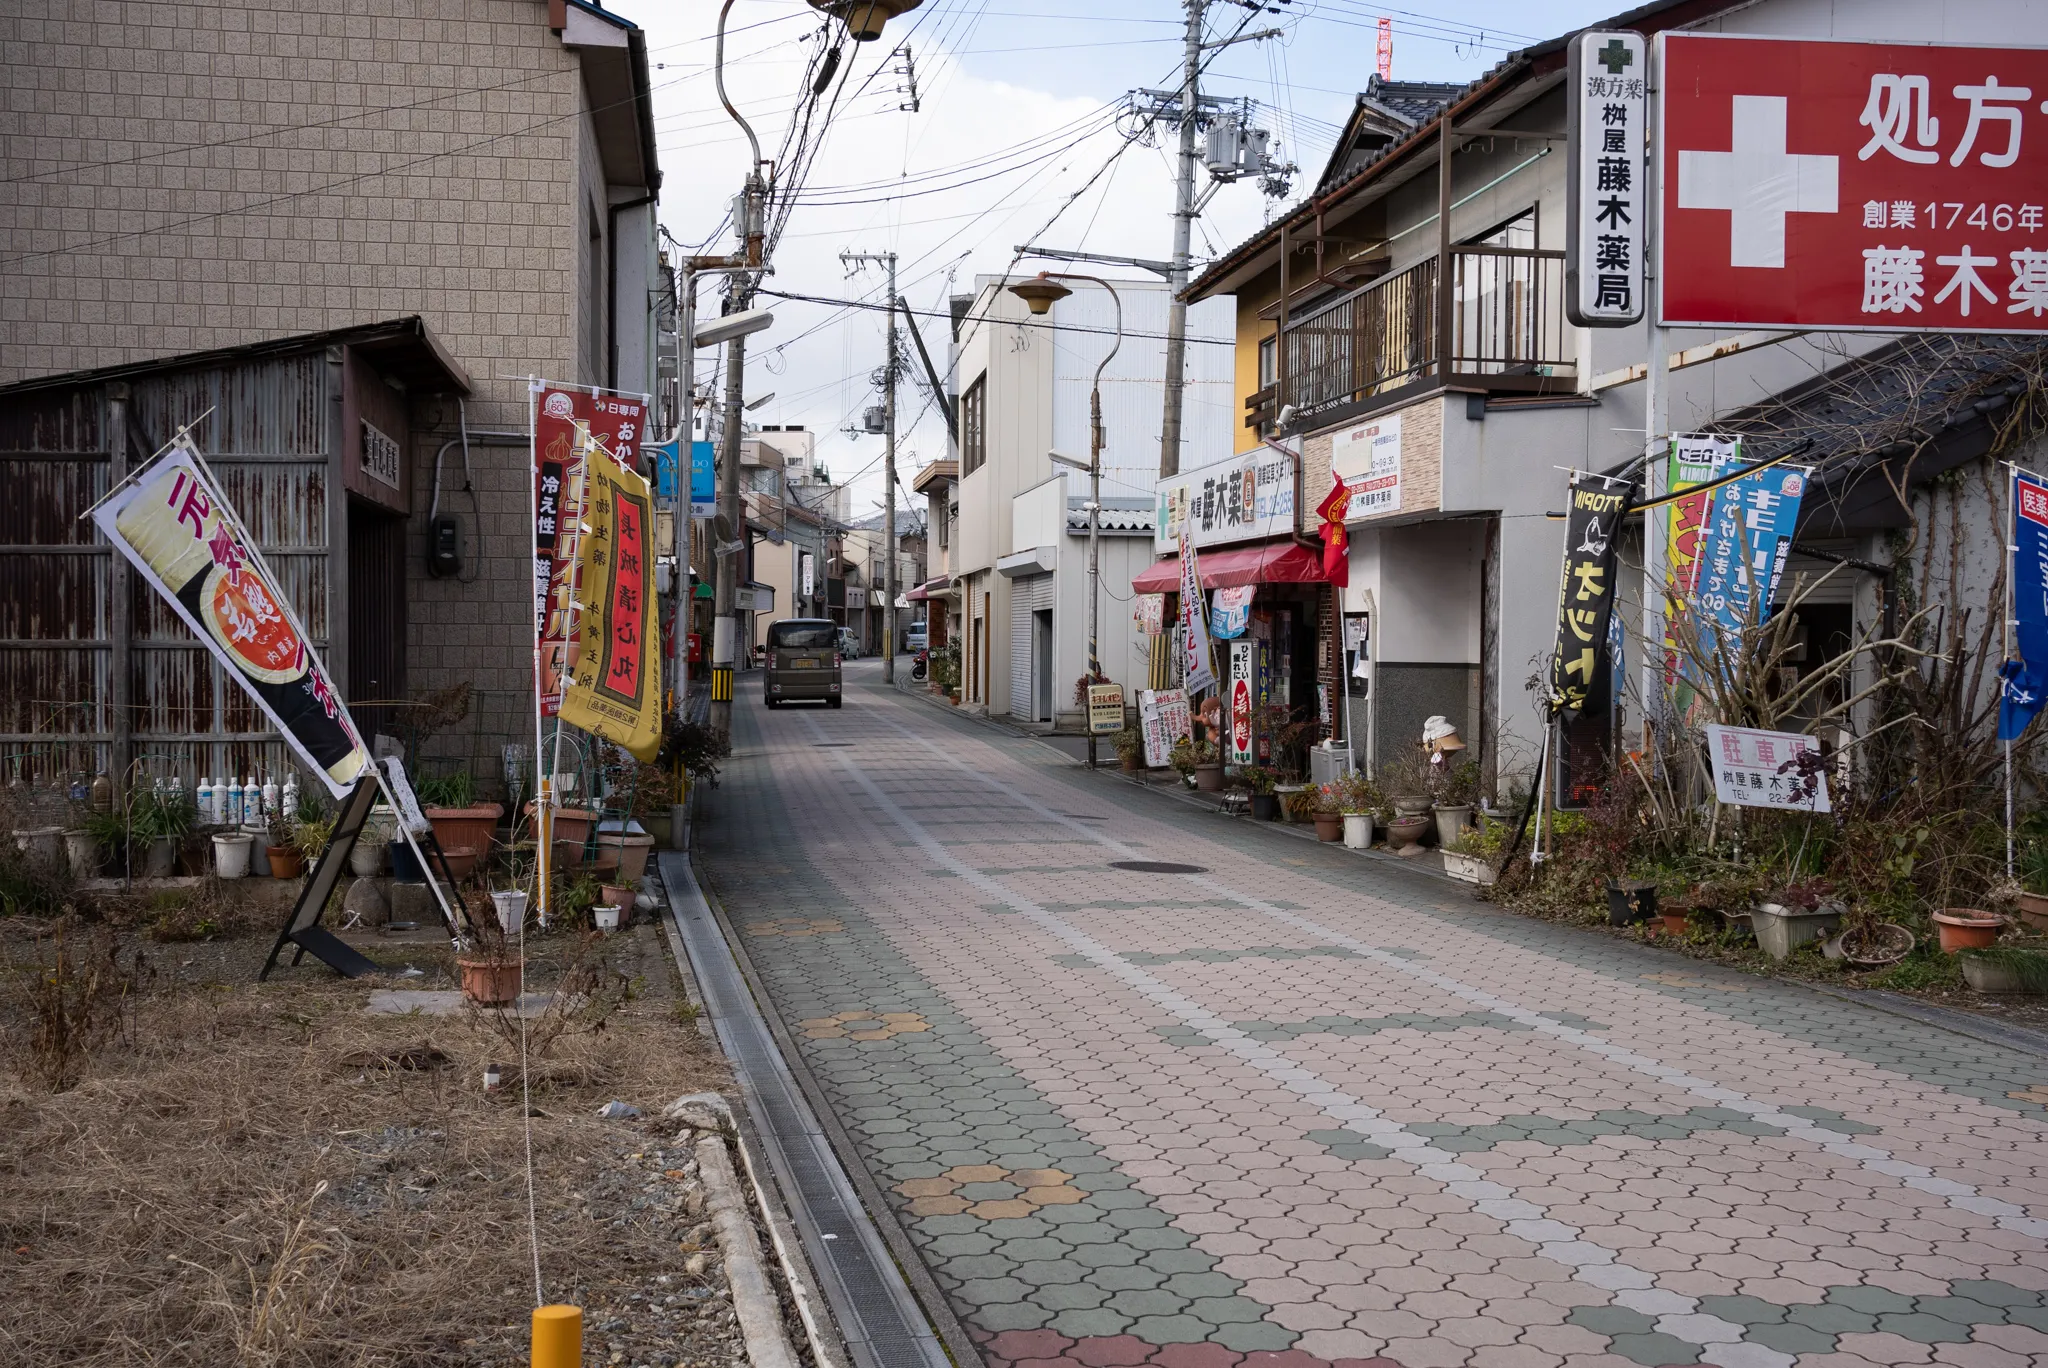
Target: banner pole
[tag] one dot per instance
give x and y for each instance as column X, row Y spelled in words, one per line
column 1655, row 553
column 543, row 785
column 2012, row 565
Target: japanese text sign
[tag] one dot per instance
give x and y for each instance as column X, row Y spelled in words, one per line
column 616, row 689
column 566, row 424
column 1163, row 716
column 1243, row 666
column 1148, row 611
column 177, row 528
column 1366, row 459
column 1743, row 550
column 1105, row 709
column 1586, row 591
column 1246, row 498
column 1197, row 673
column 1843, row 185
column 2025, row 677
column 1767, row 769
column 1605, row 121
column 1230, row 611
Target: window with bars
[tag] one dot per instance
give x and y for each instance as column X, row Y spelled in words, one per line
column 974, row 426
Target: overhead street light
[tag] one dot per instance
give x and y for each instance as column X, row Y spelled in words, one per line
column 742, row 324
column 865, row 18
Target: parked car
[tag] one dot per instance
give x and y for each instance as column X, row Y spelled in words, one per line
column 917, row 638
column 849, row 644
column 802, row 661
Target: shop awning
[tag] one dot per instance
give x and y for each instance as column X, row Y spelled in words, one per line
column 932, row 588
column 1273, row 563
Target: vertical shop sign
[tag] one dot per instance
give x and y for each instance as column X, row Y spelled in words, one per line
column 1696, row 458
column 1606, row 104
column 1163, row 716
column 1586, row 588
column 1148, row 611
column 614, row 691
column 2025, row 676
column 1743, row 552
column 1196, row 672
column 1243, row 667
column 566, row 425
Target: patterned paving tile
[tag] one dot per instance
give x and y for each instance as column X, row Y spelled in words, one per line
column 1304, row 1110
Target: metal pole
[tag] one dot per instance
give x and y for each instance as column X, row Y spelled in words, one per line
column 2012, row 542
column 1183, row 231
column 120, row 603
column 1656, row 520
column 679, row 506
column 889, row 491
column 1095, row 534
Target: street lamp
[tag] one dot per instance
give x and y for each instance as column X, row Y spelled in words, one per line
column 1039, row 294
column 865, row 18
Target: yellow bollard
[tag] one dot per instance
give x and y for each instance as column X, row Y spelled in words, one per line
column 558, row 1337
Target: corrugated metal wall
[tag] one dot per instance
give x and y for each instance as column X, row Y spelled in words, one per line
column 1028, row 595
column 265, row 434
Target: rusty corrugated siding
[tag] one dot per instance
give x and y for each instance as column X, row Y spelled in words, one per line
column 262, row 425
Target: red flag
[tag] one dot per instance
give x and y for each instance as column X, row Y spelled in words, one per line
column 1336, row 545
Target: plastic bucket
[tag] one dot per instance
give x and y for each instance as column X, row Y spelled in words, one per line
column 231, row 855
column 511, row 905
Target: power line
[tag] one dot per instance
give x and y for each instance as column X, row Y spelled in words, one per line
column 1010, row 322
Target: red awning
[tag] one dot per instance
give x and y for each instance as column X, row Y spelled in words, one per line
column 1273, row 563
column 927, row 589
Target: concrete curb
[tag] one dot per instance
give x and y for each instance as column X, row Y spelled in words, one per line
column 754, row 1301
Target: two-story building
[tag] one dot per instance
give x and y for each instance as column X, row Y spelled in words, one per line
column 1018, row 543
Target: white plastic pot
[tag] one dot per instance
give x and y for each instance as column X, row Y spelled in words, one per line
column 161, row 860
column 231, row 855
column 511, row 905
column 259, row 850
column 1357, row 830
column 43, row 845
column 607, row 918
column 83, row 853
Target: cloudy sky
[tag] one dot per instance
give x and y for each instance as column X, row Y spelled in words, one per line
column 1016, row 138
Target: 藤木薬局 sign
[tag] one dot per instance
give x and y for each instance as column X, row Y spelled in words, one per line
column 1246, row 498
column 1846, row 185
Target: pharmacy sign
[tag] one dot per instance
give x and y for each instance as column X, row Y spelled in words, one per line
column 1814, row 184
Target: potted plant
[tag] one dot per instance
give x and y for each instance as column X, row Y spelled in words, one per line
column 1804, row 910
column 1630, row 901
column 310, row 833
column 1198, row 763
column 1967, row 928
column 231, row 854
column 449, row 803
column 163, row 820
column 1456, row 789
column 1130, row 748
column 1260, row 779
column 2004, row 969
column 1471, row 856
column 1358, row 798
column 2032, row 895
column 1329, row 816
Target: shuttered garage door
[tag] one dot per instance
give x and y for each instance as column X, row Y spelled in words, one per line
column 1028, row 594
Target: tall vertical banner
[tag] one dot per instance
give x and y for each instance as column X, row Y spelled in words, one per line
column 1239, row 749
column 615, row 690
column 1696, row 458
column 1586, row 589
column 566, row 424
column 1744, row 549
column 181, row 534
column 1197, row 674
column 1606, row 120
column 2025, row 676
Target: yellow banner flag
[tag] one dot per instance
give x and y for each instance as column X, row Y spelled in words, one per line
column 615, row 689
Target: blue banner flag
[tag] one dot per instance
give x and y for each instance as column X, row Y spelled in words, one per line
column 1744, row 546
column 703, row 474
column 2025, row 676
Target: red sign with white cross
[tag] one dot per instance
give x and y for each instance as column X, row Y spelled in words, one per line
column 1885, row 186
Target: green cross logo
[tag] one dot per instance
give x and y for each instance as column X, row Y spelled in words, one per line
column 1615, row 57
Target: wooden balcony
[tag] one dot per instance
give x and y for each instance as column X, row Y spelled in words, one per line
column 1503, row 328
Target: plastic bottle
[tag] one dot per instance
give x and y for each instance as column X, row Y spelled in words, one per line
column 252, row 801
column 102, row 793
column 270, row 795
column 204, row 793
column 291, row 797
column 231, row 809
column 177, row 791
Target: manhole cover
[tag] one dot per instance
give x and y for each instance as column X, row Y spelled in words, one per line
column 1157, row 867
column 833, row 743
column 1084, row 817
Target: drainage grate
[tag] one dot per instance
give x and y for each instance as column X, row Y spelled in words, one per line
column 835, row 743
column 1157, row 867
column 1083, row 817
column 876, row 1311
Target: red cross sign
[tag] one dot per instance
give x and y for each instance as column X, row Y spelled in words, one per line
column 1890, row 187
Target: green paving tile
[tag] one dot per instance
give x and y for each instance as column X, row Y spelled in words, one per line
column 1248, row 1336
column 1181, row 1329
column 1875, row 1300
column 1792, row 1339
column 1654, row 1350
column 1743, row 1310
column 1612, row 1320
column 1994, row 1293
column 1923, row 1328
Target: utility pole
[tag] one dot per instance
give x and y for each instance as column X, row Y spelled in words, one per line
column 1183, row 234
column 888, row 260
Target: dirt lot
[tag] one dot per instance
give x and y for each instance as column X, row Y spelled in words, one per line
column 247, row 1174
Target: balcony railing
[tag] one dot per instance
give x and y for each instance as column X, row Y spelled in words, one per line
column 1506, row 325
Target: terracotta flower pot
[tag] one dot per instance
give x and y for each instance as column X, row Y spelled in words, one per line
column 571, row 824
column 1966, row 928
column 461, row 860
column 1209, row 778
column 1131, row 763
column 627, row 854
column 2034, row 910
column 285, row 862
column 466, row 826
column 619, row 896
column 1404, row 833
column 1329, row 826
column 490, row 982
column 1674, row 922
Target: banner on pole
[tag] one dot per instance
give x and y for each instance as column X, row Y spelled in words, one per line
column 1767, row 769
column 179, row 531
column 566, row 424
column 1196, row 672
column 1148, row 611
column 2025, row 675
column 1230, row 611
column 1696, row 458
column 1585, row 588
column 1743, row 550
column 615, row 691
column 1243, row 665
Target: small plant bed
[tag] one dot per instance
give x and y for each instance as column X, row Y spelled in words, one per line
column 269, row 1173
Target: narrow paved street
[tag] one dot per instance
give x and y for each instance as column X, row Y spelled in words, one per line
column 1149, row 1086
